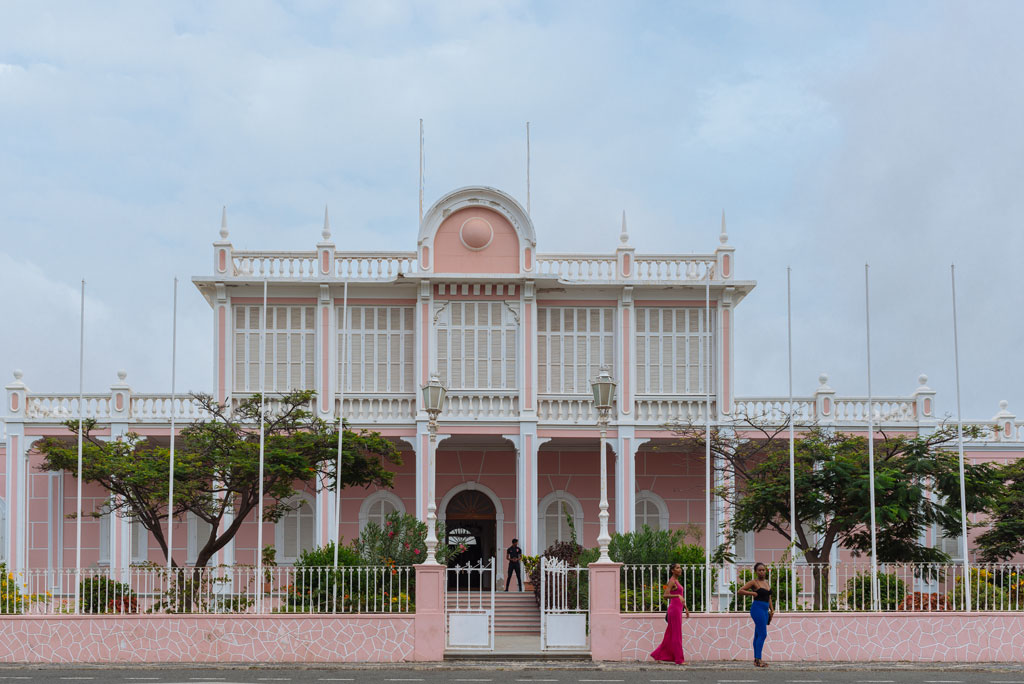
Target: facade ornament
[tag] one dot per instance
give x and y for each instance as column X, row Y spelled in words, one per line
column 512, row 310
column 624, row 235
column 724, row 236
column 326, row 232
column 440, row 309
column 224, row 222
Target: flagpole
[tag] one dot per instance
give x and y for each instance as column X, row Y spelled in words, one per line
column 960, row 449
column 528, row 167
column 259, row 505
column 170, row 484
column 707, row 448
column 421, row 171
column 341, row 421
column 792, row 439
column 81, row 418
column 871, row 450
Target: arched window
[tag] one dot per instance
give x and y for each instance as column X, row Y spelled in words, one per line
column 138, row 537
column 294, row 532
column 554, row 525
column 3, row 531
column 198, row 533
column 651, row 510
column 376, row 507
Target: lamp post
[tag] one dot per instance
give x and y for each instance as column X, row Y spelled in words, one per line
column 433, row 401
column 604, row 397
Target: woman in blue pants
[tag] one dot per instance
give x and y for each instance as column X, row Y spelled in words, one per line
column 761, row 609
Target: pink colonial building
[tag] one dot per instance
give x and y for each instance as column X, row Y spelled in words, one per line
column 516, row 336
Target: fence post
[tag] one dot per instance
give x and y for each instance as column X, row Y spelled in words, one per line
column 605, row 618
column 430, row 608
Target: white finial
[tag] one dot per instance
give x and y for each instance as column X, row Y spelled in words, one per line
column 922, row 379
column 122, row 374
column 823, row 379
column 224, row 222
column 624, row 235
column 1003, row 404
column 326, row 233
column 723, row 237
column 18, row 374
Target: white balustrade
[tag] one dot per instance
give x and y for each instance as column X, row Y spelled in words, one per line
column 654, row 410
column 885, row 410
column 675, row 267
column 462, row 405
column 160, row 407
column 374, row 265
column 378, row 408
column 567, row 409
column 577, row 266
column 293, row 265
column 57, row 407
column 774, row 409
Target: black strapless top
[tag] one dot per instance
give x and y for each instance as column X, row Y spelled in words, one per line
column 763, row 594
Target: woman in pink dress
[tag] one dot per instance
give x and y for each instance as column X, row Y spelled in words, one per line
column 671, row 648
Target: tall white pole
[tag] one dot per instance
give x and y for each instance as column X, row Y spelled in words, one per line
column 259, row 504
column 707, row 445
column 960, row 449
column 603, row 536
column 527, row 167
column 792, row 441
column 81, row 418
column 170, row 484
column 875, row 605
column 335, row 537
column 421, row 170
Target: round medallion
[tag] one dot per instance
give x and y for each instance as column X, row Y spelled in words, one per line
column 476, row 233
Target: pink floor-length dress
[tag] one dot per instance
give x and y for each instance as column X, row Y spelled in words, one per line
column 671, row 648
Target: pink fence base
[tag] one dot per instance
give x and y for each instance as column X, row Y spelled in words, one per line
column 207, row 639
column 831, row 637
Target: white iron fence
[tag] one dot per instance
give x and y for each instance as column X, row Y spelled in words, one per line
column 564, row 605
column 834, row 587
column 154, row 589
column 469, row 606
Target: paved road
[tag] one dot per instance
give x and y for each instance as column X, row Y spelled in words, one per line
column 654, row 675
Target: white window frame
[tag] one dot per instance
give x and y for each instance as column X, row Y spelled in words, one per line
column 279, row 528
column 196, row 526
column 290, row 352
column 647, row 496
column 375, row 498
column 103, row 540
column 395, row 342
column 568, row 357
column 458, row 345
column 137, row 533
column 674, row 361
column 574, row 505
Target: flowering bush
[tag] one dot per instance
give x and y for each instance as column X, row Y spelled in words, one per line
column 922, row 601
column 100, row 594
column 986, row 594
column 401, row 540
column 13, row 601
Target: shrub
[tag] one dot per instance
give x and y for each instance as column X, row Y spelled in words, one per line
column 662, row 548
column 12, row 602
column 401, row 540
column 922, row 601
column 891, row 591
column 985, row 595
column 99, row 594
column 318, row 587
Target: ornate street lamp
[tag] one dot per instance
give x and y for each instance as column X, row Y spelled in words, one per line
column 433, row 401
column 604, row 398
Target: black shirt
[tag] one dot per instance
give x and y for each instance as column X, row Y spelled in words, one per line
column 514, row 554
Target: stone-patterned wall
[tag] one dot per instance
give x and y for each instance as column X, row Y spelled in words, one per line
column 206, row 639
column 824, row 637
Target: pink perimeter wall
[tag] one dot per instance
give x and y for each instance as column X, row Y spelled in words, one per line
column 207, row 639
column 830, row 637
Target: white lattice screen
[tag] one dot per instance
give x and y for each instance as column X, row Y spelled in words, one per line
column 672, row 355
column 572, row 345
column 476, row 345
column 291, row 343
column 380, row 349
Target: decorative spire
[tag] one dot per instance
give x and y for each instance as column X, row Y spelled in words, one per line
column 224, row 223
column 724, row 237
column 326, row 233
column 624, row 235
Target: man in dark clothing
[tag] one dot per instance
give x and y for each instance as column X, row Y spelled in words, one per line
column 514, row 554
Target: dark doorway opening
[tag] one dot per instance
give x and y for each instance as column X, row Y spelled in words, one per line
column 471, row 524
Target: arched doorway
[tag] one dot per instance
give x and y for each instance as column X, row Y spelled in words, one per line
column 471, row 520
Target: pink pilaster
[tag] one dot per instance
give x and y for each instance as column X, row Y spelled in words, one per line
column 605, row 620
column 429, row 624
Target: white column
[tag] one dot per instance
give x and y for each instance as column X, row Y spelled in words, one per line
column 625, row 480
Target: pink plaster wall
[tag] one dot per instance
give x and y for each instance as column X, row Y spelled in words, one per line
column 452, row 256
column 832, row 637
column 207, row 639
column 576, row 471
column 678, row 478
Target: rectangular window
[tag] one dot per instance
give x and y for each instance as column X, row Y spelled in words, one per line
column 379, row 353
column 476, row 345
column 572, row 345
column 672, row 354
column 290, row 359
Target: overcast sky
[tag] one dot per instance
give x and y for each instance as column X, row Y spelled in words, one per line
column 832, row 134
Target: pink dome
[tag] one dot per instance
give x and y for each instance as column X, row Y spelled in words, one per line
column 476, row 233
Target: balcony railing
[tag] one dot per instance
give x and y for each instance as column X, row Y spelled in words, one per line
column 236, row 589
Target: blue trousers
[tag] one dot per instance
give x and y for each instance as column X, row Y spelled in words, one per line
column 759, row 614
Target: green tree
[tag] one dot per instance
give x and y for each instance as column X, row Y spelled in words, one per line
column 216, row 469
column 1005, row 537
column 916, row 485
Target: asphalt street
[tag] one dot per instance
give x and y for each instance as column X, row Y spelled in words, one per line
column 726, row 674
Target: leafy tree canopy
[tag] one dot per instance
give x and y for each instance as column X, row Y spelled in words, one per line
column 1005, row 537
column 216, row 465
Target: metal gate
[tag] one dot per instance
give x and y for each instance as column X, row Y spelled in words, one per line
column 469, row 606
column 564, row 606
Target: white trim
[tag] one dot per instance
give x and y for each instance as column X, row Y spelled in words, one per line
column 3, row 530
column 648, row 495
column 382, row 495
column 542, row 506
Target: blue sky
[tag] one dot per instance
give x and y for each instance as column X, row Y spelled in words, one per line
column 832, row 134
